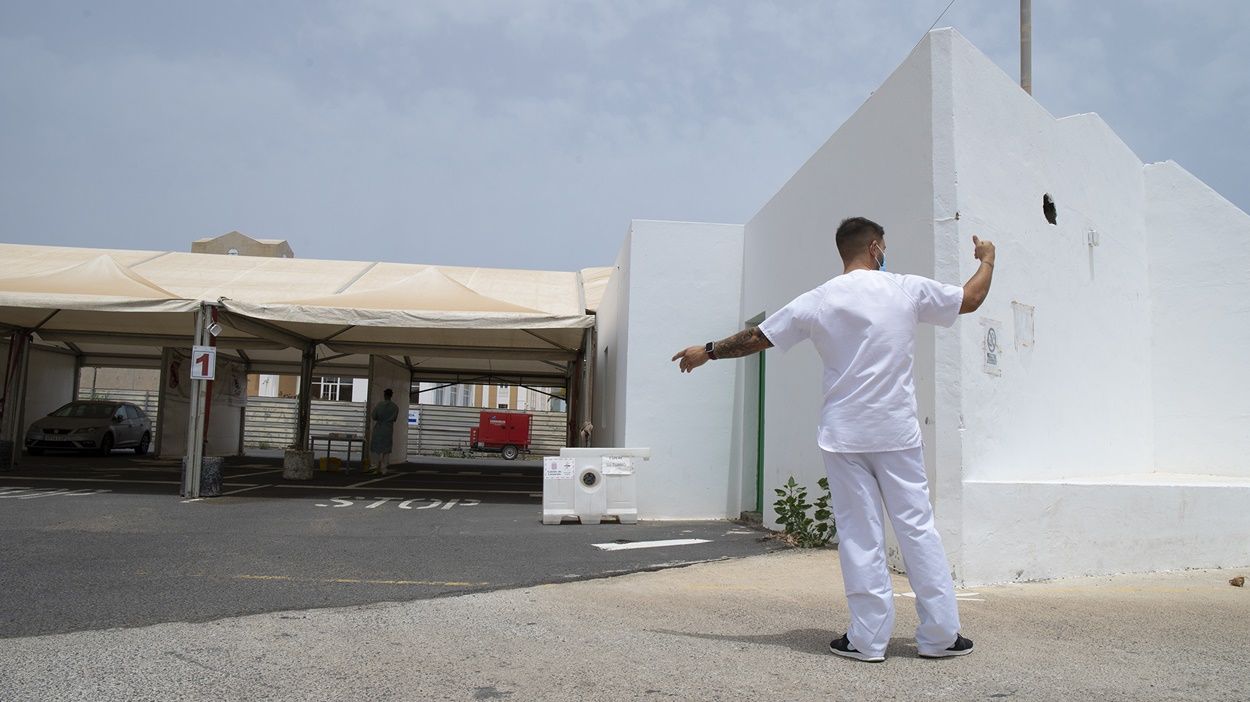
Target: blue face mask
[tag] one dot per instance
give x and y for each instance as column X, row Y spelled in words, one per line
column 881, row 261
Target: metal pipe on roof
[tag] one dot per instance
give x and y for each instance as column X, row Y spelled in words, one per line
column 1026, row 46
column 431, row 350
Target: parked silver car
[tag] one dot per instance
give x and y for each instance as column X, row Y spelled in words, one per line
column 91, row 426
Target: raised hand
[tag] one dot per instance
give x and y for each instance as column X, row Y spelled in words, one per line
column 983, row 250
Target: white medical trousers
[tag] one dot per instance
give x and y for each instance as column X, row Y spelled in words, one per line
column 857, row 484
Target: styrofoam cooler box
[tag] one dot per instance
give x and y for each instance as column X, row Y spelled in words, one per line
column 589, row 484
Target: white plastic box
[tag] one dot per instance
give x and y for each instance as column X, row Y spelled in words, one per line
column 590, row 484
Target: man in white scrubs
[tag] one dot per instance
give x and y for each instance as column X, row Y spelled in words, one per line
column 863, row 324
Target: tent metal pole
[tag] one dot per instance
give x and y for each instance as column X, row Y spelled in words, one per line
column 586, row 391
column 1026, row 46
column 11, row 426
column 304, row 419
column 23, row 378
column 195, row 419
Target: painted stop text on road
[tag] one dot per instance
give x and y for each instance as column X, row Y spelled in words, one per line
column 421, row 503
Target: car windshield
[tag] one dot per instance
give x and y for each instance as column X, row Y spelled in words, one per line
column 85, row 410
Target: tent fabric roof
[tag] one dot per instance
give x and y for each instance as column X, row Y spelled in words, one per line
column 595, row 283
column 446, row 318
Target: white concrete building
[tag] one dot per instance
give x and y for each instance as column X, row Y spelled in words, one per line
column 1092, row 416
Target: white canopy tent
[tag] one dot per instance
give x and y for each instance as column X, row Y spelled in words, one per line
column 449, row 324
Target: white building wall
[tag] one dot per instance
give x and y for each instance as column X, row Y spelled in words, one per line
column 683, row 283
column 267, row 385
column 877, row 165
column 612, row 353
column 1105, row 435
column 1200, row 292
column 1077, row 402
column 1059, row 446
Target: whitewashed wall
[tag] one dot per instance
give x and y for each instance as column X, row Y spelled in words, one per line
column 612, row 354
column 677, row 285
column 1078, row 401
column 877, row 165
column 1061, row 445
column 1200, row 292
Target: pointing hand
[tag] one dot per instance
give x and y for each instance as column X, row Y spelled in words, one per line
column 691, row 358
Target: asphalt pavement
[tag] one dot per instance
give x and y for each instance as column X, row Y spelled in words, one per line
column 91, row 543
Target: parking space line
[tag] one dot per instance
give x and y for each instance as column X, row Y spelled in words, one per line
column 468, row 491
column 89, row 480
column 254, row 487
column 375, row 480
column 650, row 544
column 337, row 581
column 248, row 475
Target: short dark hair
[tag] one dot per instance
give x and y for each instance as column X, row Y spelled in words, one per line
column 854, row 235
column 387, row 393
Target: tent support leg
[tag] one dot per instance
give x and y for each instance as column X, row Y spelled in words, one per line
column 304, row 419
column 195, row 420
column 13, row 427
column 585, row 374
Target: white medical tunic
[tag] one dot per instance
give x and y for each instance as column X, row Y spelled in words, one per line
column 863, row 324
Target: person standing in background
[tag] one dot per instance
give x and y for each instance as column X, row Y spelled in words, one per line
column 384, row 416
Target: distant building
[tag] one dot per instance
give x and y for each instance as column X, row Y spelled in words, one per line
column 510, row 397
column 238, row 244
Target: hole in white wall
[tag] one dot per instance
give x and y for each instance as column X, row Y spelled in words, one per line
column 1048, row 208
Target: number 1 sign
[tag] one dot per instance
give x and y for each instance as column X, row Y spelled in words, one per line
column 203, row 362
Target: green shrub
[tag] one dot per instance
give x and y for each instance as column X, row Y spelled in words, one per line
column 800, row 529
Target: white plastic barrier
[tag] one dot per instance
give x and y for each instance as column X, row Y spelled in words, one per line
column 589, row 484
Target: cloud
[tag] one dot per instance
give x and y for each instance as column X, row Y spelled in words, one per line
column 520, row 134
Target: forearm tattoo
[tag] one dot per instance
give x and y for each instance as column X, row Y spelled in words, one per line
column 744, row 343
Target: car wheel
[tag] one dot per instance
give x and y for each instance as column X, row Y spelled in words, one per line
column 144, row 443
column 106, row 445
column 510, row 453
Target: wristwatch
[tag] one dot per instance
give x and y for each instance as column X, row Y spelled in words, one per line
column 710, row 348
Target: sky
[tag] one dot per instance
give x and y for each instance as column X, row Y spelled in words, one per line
column 527, row 133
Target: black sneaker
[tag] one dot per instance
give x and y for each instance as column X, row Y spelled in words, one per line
column 961, row 647
column 842, row 647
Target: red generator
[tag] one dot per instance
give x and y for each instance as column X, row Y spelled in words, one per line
column 505, row 432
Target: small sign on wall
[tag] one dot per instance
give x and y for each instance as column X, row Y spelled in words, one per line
column 203, row 363
column 618, row 465
column 557, row 468
column 1024, row 325
column 991, row 346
